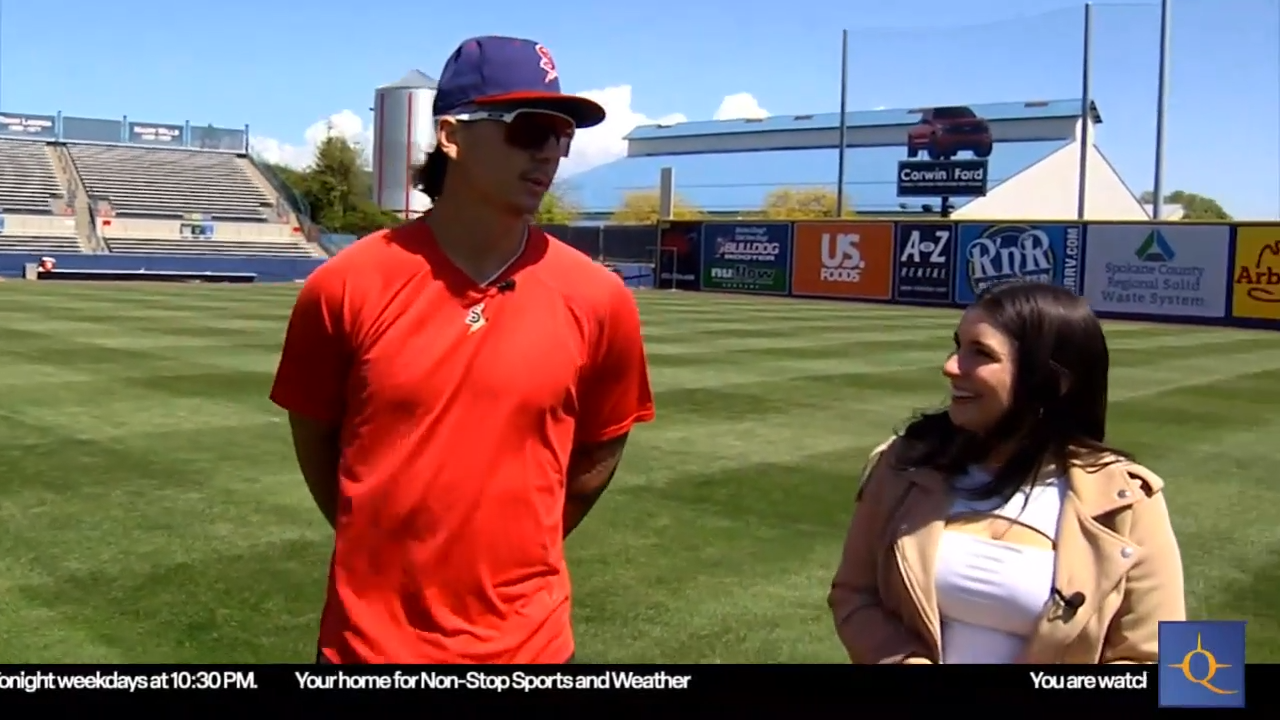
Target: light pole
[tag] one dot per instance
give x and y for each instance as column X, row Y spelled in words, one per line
column 1, row 51
column 1162, row 106
column 844, row 122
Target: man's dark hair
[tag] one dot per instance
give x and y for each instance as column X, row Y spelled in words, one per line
column 429, row 176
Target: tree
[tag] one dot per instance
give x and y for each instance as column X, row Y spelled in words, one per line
column 338, row 187
column 1194, row 207
column 292, row 177
column 557, row 207
column 801, row 204
column 640, row 207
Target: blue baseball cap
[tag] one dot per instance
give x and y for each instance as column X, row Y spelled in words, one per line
column 496, row 70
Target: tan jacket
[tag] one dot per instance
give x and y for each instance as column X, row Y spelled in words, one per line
column 1115, row 544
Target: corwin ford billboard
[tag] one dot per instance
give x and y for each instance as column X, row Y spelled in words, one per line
column 746, row 257
column 991, row 254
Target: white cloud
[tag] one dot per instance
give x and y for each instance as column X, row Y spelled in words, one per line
column 604, row 143
column 345, row 124
column 593, row 147
column 740, row 106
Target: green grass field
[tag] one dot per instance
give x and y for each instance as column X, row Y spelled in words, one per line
column 150, row 509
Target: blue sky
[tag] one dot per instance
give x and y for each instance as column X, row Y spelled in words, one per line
column 284, row 67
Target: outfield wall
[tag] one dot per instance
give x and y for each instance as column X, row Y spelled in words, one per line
column 267, row 269
column 12, row 265
column 1205, row 273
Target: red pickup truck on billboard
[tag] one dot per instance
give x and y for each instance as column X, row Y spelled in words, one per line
column 944, row 132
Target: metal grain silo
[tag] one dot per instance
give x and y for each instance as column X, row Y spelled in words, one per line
column 403, row 133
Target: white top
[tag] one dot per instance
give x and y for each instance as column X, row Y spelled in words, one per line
column 991, row 593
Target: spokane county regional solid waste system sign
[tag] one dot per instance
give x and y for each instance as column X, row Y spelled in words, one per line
column 1164, row 270
column 746, row 257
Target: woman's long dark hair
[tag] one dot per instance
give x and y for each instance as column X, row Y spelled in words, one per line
column 1059, row 406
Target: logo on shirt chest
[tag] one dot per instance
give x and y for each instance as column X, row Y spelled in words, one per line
column 475, row 318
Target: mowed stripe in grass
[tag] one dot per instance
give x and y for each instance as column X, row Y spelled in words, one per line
column 152, row 510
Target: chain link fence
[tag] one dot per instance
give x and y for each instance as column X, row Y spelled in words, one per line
column 611, row 243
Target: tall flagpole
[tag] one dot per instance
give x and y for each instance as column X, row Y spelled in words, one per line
column 844, row 108
column 1, row 51
column 1162, row 106
column 1086, row 112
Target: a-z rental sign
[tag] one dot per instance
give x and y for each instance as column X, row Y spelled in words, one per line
column 1158, row 269
column 926, row 262
column 746, row 257
column 843, row 260
column 991, row 254
column 1255, row 273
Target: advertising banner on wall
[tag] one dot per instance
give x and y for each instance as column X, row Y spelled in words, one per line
column 141, row 133
column 991, row 254
column 1255, row 273
column 1172, row 269
column 214, row 138
column 746, row 257
column 92, row 129
column 843, row 260
column 926, row 267
column 23, row 125
column 679, row 256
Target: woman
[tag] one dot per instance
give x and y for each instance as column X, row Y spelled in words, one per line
column 1003, row 530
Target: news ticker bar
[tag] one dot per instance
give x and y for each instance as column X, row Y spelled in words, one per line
column 751, row 686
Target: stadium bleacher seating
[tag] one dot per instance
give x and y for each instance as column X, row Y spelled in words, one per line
column 29, row 178
column 62, row 196
column 147, row 188
column 29, row 188
column 40, row 244
column 247, row 248
column 160, row 182
column 139, row 236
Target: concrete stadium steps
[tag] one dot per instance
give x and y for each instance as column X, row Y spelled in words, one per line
column 284, row 210
column 61, row 245
column 245, row 248
column 171, row 182
column 30, row 179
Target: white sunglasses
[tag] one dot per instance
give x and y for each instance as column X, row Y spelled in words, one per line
column 528, row 135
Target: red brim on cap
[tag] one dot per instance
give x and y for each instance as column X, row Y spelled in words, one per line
column 585, row 113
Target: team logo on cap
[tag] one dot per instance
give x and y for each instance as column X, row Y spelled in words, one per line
column 548, row 63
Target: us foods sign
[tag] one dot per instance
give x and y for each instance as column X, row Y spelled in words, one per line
column 754, row 258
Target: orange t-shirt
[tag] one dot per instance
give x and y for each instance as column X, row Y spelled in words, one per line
column 459, row 405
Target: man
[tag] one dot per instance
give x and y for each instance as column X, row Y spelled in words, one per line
column 460, row 388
